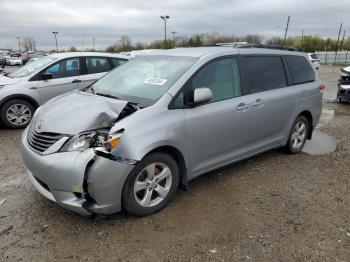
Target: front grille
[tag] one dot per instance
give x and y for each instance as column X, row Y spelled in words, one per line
column 42, row 141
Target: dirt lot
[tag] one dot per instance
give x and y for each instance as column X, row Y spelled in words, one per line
column 273, row 207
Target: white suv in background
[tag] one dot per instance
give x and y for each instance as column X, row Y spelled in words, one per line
column 314, row 60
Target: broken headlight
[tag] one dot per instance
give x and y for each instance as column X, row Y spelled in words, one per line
column 84, row 141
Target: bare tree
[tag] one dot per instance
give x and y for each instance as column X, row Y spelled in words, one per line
column 125, row 43
column 28, row 44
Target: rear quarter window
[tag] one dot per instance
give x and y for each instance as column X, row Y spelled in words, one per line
column 265, row 73
column 300, row 69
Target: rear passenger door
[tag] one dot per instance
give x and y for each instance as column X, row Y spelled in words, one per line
column 95, row 68
column 272, row 103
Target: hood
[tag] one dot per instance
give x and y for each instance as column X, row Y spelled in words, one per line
column 346, row 70
column 4, row 80
column 76, row 112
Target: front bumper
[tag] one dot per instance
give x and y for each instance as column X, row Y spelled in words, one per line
column 343, row 91
column 78, row 181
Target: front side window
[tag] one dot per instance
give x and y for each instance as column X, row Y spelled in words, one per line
column 65, row 68
column 144, row 79
column 222, row 77
column 97, row 65
column 265, row 73
column 32, row 67
column 300, row 69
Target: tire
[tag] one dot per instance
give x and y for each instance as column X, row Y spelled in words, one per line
column 144, row 199
column 296, row 142
column 20, row 119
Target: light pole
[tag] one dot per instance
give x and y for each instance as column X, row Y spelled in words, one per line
column 19, row 43
column 174, row 33
column 93, row 43
column 165, row 18
column 55, row 33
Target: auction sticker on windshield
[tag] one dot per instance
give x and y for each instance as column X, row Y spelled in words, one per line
column 155, row 81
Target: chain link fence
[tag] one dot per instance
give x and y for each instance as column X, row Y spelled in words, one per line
column 331, row 57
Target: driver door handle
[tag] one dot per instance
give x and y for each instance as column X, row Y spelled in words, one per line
column 76, row 81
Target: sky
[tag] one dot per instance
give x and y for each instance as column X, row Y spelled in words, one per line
column 79, row 21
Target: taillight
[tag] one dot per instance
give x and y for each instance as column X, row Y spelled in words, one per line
column 322, row 88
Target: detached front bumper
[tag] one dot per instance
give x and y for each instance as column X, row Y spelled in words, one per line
column 78, row 181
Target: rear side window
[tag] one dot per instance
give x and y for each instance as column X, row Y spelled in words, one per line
column 300, row 69
column 265, row 73
column 97, row 65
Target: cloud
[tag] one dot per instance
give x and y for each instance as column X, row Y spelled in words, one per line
column 107, row 20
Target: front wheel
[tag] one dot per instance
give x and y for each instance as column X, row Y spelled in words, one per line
column 298, row 135
column 16, row 113
column 151, row 185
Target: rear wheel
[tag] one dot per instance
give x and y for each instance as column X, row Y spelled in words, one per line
column 298, row 135
column 151, row 185
column 16, row 113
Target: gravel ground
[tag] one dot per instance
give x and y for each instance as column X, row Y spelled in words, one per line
column 273, row 207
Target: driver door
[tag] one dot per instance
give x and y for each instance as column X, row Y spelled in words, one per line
column 65, row 77
column 217, row 131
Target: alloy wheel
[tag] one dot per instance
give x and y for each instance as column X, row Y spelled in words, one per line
column 152, row 184
column 18, row 114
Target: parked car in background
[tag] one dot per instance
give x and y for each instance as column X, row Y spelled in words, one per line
column 314, row 60
column 14, row 59
column 2, row 61
column 128, row 140
column 31, row 85
column 343, row 94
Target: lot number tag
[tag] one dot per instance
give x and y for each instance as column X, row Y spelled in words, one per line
column 155, row 81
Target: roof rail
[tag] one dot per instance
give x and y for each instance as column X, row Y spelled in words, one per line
column 257, row 45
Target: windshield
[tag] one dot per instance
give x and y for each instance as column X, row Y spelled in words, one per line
column 314, row 56
column 144, row 79
column 32, row 67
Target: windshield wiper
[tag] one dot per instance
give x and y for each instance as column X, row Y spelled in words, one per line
column 107, row 95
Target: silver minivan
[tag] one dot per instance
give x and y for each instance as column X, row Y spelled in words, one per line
column 129, row 140
column 31, row 85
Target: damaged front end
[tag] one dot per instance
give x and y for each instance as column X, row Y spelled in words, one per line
column 77, row 170
column 344, row 85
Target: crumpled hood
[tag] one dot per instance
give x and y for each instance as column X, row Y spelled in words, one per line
column 4, row 80
column 76, row 112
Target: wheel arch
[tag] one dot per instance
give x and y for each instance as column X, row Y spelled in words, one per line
column 178, row 157
column 27, row 98
column 308, row 115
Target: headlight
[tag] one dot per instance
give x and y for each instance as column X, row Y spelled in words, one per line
column 77, row 143
column 98, row 138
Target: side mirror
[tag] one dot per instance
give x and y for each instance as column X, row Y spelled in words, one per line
column 46, row 76
column 202, row 95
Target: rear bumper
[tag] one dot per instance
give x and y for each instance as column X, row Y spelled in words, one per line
column 78, row 181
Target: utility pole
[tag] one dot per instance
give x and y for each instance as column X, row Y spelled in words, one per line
column 342, row 42
column 302, row 40
column 93, row 43
column 174, row 33
column 164, row 18
column 336, row 48
column 55, row 33
column 19, row 43
column 285, row 34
